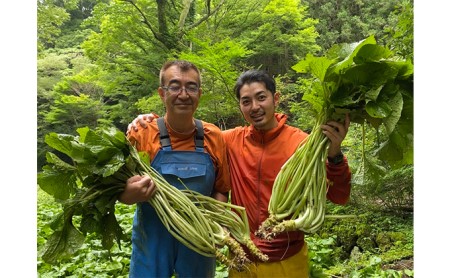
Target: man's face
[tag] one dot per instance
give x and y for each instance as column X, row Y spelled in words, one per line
column 258, row 105
column 178, row 103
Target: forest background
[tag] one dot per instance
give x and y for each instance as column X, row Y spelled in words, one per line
column 77, row 70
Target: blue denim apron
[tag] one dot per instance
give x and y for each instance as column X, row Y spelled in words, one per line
column 155, row 252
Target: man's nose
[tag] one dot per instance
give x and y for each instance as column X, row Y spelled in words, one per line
column 255, row 105
column 183, row 93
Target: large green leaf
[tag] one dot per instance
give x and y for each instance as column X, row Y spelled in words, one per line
column 396, row 107
column 348, row 52
column 371, row 74
column 113, row 165
column 405, row 69
column 397, row 148
column 102, row 149
column 372, row 94
column 379, row 109
column 315, row 96
column 62, row 244
column 60, row 182
column 346, row 95
column 369, row 171
column 116, row 138
column 371, row 53
column 90, row 222
column 112, row 232
column 60, row 142
column 317, row 66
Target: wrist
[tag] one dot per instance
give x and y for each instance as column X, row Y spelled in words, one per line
column 337, row 159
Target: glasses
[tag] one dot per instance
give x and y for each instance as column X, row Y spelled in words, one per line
column 191, row 90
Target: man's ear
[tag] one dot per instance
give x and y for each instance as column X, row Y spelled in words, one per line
column 276, row 98
column 161, row 93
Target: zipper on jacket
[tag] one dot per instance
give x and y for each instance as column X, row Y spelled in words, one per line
column 259, row 179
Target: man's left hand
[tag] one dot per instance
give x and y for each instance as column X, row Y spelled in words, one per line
column 336, row 132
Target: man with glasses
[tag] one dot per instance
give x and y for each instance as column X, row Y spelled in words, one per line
column 180, row 147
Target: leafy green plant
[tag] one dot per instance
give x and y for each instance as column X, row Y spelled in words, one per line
column 360, row 79
column 373, row 269
column 320, row 255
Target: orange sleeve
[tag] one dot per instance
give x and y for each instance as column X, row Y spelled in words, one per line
column 146, row 139
column 339, row 178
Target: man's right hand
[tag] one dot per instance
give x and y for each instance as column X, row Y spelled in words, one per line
column 142, row 120
column 138, row 189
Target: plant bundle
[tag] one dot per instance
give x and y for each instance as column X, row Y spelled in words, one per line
column 87, row 178
column 232, row 217
column 361, row 79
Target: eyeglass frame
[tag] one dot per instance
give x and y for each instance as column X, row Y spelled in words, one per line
column 181, row 88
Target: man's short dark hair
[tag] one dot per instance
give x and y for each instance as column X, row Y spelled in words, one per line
column 251, row 76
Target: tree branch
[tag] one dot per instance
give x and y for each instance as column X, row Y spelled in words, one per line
column 205, row 17
column 186, row 7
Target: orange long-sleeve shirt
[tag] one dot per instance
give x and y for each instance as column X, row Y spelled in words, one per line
column 147, row 139
column 255, row 158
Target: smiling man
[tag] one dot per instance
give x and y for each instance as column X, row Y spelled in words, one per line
column 256, row 154
column 187, row 152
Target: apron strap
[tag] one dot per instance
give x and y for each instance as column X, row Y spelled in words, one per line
column 163, row 134
column 199, row 135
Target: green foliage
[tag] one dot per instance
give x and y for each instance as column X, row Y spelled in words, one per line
column 60, row 105
column 59, row 22
column 326, row 259
column 75, row 111
column 49, row 20
column 370, row 170
column 50, row 69
column 152, row 104
column 300, row 112
column 392, row 191
column 365, row 246
column 128, row 57
column 349, row 20
column 90, row 260
column 365, row 81
column 72, row 39
column 373, row 269
column 217, row 62
column 284, row 34
column 54, row 64
column 320, row 254
column 400, row 31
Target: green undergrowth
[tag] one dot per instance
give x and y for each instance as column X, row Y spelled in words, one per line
column 91, row 260
column 368, row 245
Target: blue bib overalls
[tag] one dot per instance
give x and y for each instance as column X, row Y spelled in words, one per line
column 155, row 252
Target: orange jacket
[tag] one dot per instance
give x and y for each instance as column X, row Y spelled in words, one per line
column 255, row 158
column 147, row 139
